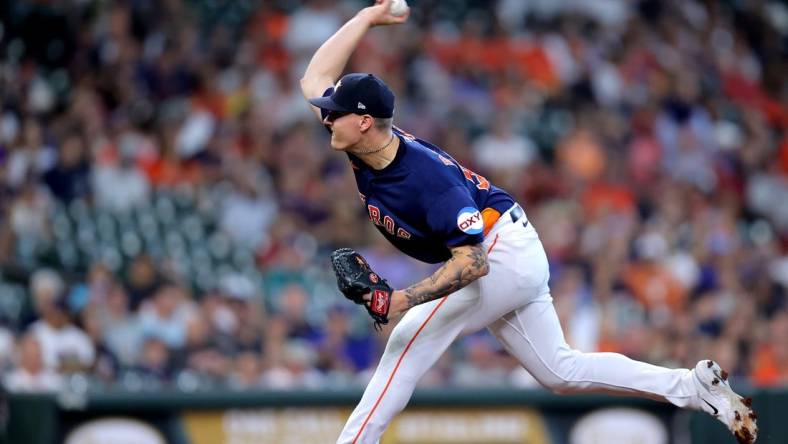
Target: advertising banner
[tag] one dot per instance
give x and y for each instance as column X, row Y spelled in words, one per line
column 440, row 417
column 414, row 426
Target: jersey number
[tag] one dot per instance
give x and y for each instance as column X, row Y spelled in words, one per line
column 477, row 179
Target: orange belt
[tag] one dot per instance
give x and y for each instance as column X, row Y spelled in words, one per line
column 490, row 216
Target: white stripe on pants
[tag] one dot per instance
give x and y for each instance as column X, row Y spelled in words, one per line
column 513, row 301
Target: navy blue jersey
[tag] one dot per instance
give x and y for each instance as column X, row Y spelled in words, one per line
column 424, row 202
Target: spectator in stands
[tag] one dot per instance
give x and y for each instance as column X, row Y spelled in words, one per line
column 142, row 280
column 70, row 177
column 246, row 372
column 30, row 373
column 482, row 364
column 292, row 304
column 121, row 329
column 31, row 157
column 166, row 315
column 45, row 286
column 503, row 153
column 294, row 369
column 119, row 185
column 65, row 347
column 29, row 216
column 246, row 305
column 154, row 366
column 771, row 357
column 341, row 353
column 106, row 364
column 207, row 353
column 6, row 346
column 248, row 211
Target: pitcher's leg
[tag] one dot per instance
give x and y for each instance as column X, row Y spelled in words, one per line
column 533, row 335
column 415, row 345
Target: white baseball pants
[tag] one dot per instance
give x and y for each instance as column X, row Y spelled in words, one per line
column 513, row 301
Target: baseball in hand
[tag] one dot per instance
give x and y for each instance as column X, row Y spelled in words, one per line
column 398, row 8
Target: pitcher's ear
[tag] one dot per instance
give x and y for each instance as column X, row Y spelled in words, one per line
column 366, row 123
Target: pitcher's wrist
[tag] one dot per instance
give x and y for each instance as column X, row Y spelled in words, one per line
column 365, row 16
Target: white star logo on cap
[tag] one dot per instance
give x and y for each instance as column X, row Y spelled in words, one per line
column 361, row 106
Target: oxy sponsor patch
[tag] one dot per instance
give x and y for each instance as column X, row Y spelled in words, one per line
column 470, row 221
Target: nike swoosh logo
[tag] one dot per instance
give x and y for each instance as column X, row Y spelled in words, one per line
column 709, row 404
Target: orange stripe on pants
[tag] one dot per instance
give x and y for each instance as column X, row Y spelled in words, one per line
column 393, row 372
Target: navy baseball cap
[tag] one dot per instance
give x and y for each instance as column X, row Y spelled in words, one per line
column 359, row 93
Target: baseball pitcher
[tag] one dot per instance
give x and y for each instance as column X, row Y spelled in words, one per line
column 494, row 271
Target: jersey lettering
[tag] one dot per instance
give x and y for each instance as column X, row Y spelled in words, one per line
column 374, row 214
column 388, row 222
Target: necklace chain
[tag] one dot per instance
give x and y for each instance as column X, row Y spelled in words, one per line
column 381, row 148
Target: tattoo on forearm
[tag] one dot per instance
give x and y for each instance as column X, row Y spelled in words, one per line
column 463, row 268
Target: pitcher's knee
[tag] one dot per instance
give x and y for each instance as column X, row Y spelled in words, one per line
column 558, row 385
column 562, row 375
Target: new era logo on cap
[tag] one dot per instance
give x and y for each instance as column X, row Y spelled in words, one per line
column 359, row 93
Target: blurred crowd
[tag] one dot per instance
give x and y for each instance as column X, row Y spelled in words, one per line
column 646, row 141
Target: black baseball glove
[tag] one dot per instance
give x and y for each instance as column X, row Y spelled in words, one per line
column 355, row 279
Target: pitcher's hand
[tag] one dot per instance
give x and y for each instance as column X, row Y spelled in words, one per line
column 379, row 14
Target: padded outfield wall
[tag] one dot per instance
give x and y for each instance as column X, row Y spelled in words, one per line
column 305, row 417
